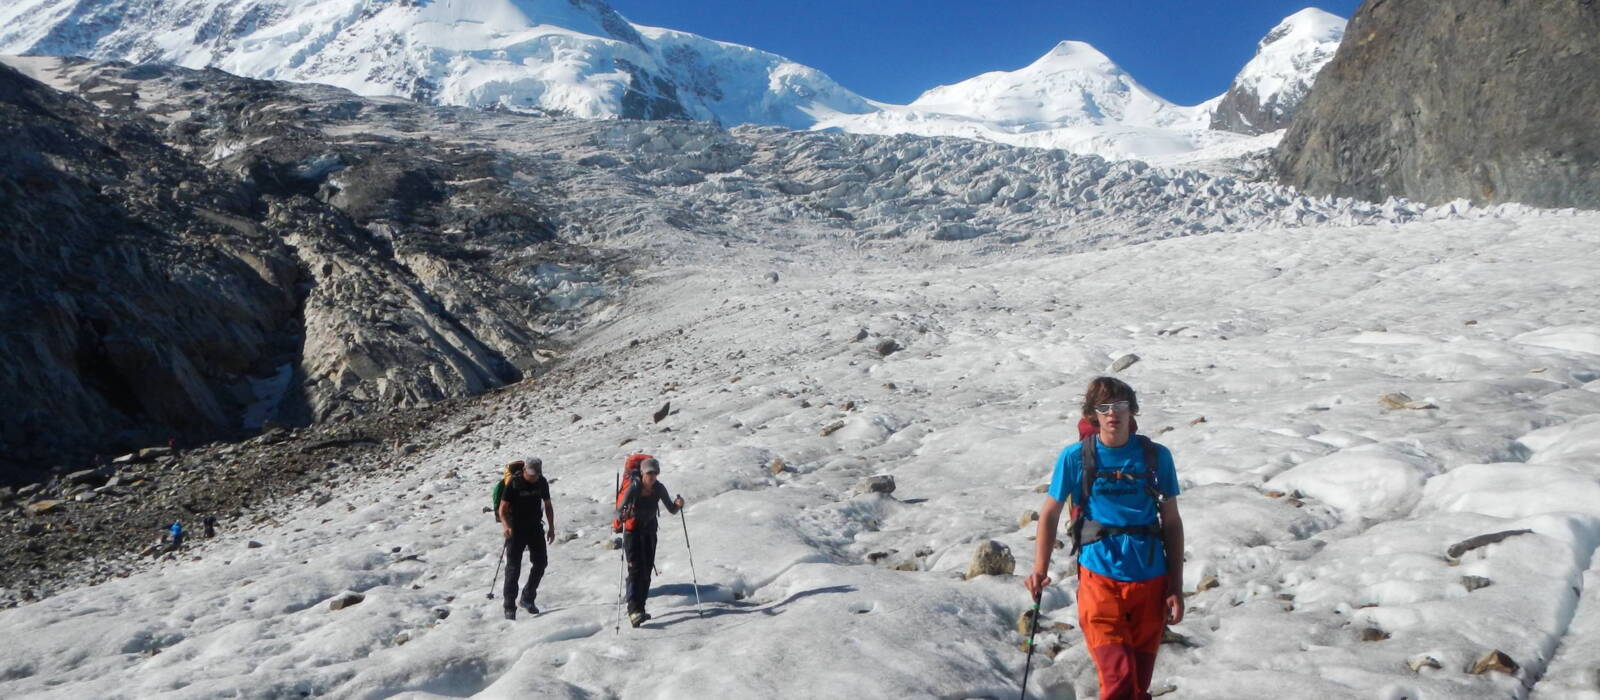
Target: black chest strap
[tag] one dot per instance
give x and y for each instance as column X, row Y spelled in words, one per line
column 1085, row 529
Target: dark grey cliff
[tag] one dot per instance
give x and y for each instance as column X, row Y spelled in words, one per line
column 1489, row 101
column 162, row 262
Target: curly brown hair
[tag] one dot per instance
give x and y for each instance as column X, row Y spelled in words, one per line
column 1105, row 390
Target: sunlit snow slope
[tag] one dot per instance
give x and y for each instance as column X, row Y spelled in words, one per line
column 1319, row 511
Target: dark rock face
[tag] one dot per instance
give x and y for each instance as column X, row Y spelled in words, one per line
column 1241, row 111
column 115, row 251
column 161, row 259
column 1493, row 102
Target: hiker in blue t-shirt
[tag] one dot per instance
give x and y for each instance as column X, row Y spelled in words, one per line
column 1127, row 534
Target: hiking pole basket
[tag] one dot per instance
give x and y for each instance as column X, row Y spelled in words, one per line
column 695, row 577
column 1033, row 628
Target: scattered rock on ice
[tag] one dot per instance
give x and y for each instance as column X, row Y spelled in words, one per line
column 1494, row 661
column 991, row 559
column 1124, row 362
column 1473, row 583
column 1471, row 543
column 1373, row 634
column 881, row 483
column 1398, row 401
column 888, row 347
column 1028, row 516
column 1417, row 663
column 346, row 601
column 1025, row 621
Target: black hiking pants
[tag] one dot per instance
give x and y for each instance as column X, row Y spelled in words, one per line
column 534, row 543
column 640, row 546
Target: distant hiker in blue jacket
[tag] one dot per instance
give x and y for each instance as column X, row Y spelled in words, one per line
column 175, row 539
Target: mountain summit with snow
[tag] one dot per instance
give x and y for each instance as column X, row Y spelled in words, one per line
column 1073, row 97
column 1268, row 92
column 581, row 58
column 1072, row 84
column 577, row 57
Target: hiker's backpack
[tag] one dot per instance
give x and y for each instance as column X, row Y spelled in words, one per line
column 630, row 475
column 500, row 488
column 1085, row 530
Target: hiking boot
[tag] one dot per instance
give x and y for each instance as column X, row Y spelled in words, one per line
column 511, row 613
column 638, row 618
column 530, row 607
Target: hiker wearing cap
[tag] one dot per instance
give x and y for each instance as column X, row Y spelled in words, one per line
column 524, row 495
column 636, row 511
column 1128, row 537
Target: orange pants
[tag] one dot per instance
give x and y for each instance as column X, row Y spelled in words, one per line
column 1122, row 623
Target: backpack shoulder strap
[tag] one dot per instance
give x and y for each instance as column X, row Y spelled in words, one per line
column 1091, row 465
column 1152, row 459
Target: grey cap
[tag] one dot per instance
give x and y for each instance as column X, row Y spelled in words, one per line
column 533, row 463
column 650, row 466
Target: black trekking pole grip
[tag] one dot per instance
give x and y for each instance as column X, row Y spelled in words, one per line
column 1033, row 628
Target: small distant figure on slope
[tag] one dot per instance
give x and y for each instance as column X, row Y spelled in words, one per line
column 174, row 536
column 1127, row 534
column 210, row 524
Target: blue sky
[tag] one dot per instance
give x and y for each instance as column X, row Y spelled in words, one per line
column 891, row 50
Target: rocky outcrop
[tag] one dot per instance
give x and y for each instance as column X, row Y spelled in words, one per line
column 189, row 269
column 1492, row 102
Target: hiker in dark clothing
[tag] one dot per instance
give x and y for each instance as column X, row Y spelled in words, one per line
column 640, row 505
column 520, row 503
column 210, row 524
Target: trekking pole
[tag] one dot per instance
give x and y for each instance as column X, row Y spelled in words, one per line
column 685, row 520
column 1033, row 628
column 503, row 544
column 622, row 562
column 622, row 565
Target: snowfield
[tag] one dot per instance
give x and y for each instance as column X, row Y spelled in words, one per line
column 1321, row 506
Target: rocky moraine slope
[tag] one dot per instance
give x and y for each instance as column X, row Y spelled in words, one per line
column 190, row 271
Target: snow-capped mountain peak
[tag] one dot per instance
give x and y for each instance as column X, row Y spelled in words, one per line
column 1073, row 83
column 578, row 57
column 1266, row 93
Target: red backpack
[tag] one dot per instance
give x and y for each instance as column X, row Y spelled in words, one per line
column 630, row 474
